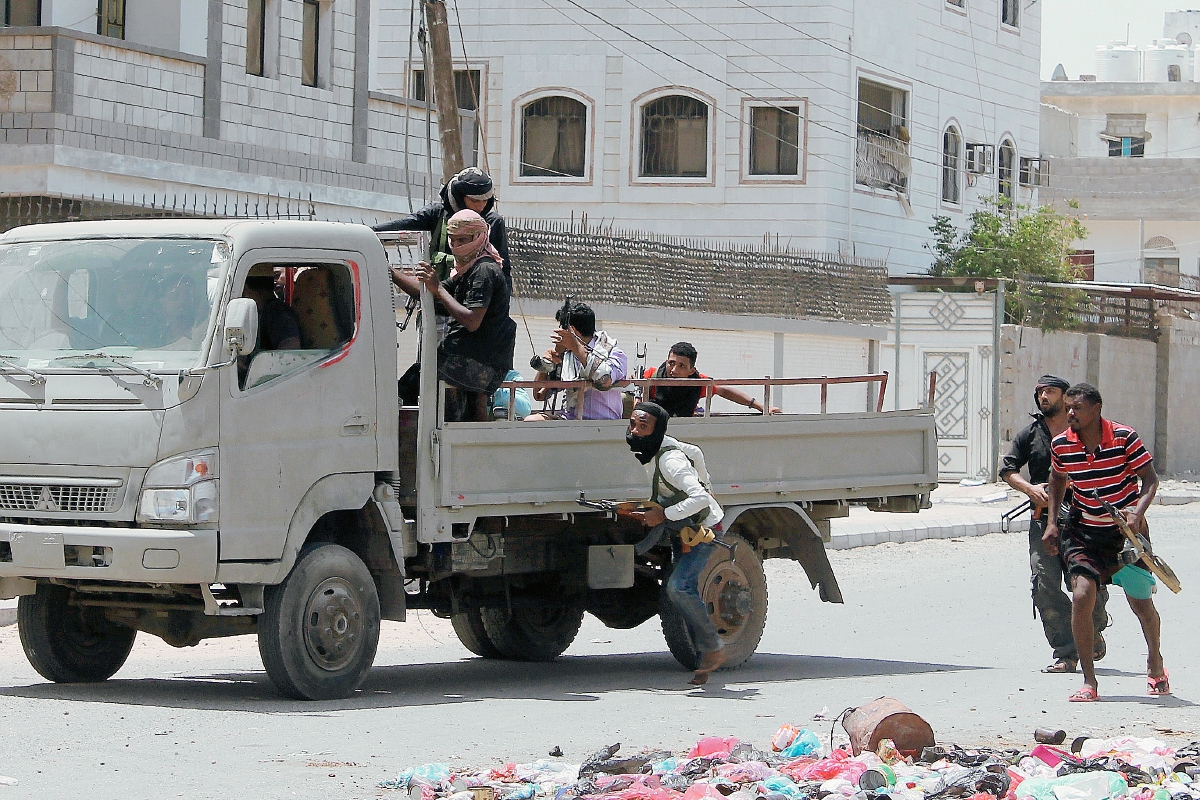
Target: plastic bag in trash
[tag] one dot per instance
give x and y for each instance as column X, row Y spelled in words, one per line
column 783, row 737
column 805, row 743
column 713, row 745
column 428, row 774
column 1082, row 786
column 746, row 772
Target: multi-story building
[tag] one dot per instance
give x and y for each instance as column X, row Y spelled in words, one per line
column 204, row 103
column 842, row 126
column 1125, row 143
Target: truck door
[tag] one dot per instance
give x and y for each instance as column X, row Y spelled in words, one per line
column 294, row 411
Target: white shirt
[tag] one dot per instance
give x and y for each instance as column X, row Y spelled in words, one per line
column 689, row 476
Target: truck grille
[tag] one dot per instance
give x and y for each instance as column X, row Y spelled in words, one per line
column 78, row 498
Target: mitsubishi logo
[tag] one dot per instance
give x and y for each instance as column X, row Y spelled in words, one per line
column 45, row 502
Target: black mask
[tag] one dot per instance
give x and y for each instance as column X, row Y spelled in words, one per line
column 646, row 447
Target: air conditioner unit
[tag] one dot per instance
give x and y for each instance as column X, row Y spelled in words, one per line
column 980, row 158
column 1035, row 172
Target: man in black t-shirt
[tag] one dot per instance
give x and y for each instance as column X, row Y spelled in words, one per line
column 1031, row 446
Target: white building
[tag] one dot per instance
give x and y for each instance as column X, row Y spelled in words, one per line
column 203, row 102
column 842, row 126
column 1125, row 144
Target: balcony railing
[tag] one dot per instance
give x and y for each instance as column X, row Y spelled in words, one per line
column 882, row 162
column 1172, row 278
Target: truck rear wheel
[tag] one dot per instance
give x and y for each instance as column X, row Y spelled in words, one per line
column 318, row 633
column 70, row 644
column 735, row 592
column 468, row 626
column 532, row 633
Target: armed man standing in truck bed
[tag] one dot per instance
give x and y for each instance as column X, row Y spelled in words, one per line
column 678, row 483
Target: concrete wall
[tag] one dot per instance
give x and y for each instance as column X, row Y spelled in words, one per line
column 1180, row 339
column 1124, row 370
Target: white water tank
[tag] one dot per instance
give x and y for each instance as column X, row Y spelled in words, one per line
column 1117, row 61
column 1160, row 56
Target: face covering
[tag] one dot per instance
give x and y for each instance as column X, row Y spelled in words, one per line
column 646, row 447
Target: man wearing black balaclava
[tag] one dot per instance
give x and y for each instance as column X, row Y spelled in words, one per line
column 470, row 189
column 678, row 483
column 1032, row 446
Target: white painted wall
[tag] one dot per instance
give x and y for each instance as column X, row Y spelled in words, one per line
column 960, row 67
column 153, row 22
column 78, row 15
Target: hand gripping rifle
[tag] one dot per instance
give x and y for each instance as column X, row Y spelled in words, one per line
column 688, row 535
column 1141, row 546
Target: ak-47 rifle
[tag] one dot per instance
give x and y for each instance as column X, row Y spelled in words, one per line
column 627, row 508
column 1141, row 546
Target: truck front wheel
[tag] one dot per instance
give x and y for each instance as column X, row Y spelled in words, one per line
column 532, row 632
column 70, row 644
column 734, row 590
column 318, row 633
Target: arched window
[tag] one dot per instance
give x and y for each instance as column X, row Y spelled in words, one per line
column 952, row 166
column 1008, row 159
column 553, row 138
column 675, row 138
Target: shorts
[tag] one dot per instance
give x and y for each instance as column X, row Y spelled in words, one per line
column 1092, row 552
column 1138, row 582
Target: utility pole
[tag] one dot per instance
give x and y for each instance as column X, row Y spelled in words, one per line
column 441, row 64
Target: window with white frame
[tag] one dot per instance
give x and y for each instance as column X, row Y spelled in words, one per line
column 775, row 139
column 882, row 157
column 468, row 92
column 1005, row 179
column 22, row 13
column 1010, row 12
column 554, row 138
column 951, row 166
column 674, row 138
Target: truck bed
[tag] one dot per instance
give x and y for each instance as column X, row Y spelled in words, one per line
column 516, row 468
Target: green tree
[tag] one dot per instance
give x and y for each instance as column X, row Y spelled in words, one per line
column 1027, row 246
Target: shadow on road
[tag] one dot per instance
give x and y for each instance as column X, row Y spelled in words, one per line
column 569, row 679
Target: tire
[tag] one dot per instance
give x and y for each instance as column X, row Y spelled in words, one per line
column 69, row 644
column 468, row 626
column 532, row 633
column 735, row 592
column 320, row 628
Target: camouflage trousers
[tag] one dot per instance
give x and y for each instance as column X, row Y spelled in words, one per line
column 1052, row 603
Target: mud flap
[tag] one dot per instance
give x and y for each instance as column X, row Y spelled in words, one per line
column 803, row 540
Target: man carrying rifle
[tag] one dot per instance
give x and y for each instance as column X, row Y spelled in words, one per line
column 1032, row 447
column 1104, row 461
column 678, row 483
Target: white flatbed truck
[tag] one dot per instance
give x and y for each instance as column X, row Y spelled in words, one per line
column 160, row 474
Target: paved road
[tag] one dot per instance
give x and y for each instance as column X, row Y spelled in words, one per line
column 943, row 625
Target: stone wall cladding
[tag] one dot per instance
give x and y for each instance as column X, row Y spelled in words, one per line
column 140, row 89
column 643, row 270
column 26, row 74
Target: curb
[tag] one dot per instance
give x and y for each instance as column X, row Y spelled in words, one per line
column 916, row 531
column 8, row 616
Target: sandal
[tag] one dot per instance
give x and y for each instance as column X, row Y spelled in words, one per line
column 1085, row 695
column 1157, row 687
column 1100, row 650
column 1062, row 666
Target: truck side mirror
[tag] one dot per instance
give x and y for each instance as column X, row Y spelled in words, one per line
column 241, row 325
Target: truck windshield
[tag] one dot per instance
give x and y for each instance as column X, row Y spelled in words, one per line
column 146, row 301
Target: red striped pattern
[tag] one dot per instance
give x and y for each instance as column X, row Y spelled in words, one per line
column 1111, row 471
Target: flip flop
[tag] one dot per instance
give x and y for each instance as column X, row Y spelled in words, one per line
column 1085, row 695
column 1101, row 648
column 1062, row 666
column 1157, row 687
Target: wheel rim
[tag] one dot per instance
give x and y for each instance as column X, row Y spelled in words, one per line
column 333, row 624
column 728, row 600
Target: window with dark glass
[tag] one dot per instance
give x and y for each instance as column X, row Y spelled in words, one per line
column 775, row 140
column 22, row 13
column 553, row 138
column 1127, row 147
column 1010, row 12
column 951, row 166
column 674, row 138
column 256, row 36
column 310, row 42
column 110, row 18
column 467, row 89
column 1004, row 173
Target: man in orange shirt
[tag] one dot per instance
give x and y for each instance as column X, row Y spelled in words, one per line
column 684, row 401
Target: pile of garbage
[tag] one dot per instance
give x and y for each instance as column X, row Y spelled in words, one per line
column 796, row 766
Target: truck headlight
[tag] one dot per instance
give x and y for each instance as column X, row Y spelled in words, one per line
column 181, row 489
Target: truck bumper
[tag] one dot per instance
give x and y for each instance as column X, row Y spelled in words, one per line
column 139, row 555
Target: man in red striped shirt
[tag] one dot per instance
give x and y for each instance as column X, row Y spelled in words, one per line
column 1096, row 454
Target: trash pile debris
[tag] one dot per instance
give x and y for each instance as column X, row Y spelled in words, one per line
column 796, row 766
